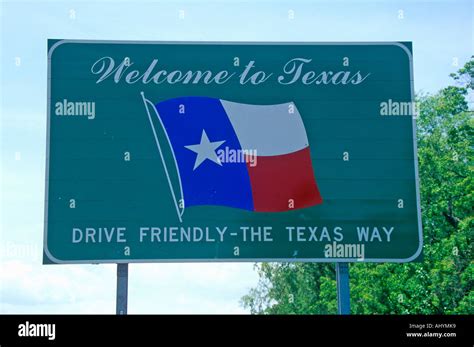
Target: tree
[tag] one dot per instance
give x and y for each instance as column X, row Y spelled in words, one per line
column 443, row 282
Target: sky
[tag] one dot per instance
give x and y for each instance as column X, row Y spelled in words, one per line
column 442, row 36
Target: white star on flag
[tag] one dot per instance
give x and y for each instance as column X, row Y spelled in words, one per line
column 205, row 150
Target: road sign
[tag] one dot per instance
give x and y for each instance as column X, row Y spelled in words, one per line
column 172, row 151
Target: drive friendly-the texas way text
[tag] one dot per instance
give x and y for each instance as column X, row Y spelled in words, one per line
column 220, row 234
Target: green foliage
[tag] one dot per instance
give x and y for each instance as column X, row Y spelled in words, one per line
column 443, row 282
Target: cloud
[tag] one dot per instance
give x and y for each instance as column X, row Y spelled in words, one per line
column 25, row 284
column 153, row 288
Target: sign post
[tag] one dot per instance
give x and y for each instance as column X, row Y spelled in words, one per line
column 122, row 288
column 343, row 289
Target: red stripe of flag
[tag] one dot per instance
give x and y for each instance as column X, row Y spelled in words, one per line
column 278, row 180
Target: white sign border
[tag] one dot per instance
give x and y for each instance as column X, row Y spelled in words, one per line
column 233, row 260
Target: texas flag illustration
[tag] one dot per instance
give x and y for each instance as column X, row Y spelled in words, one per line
column 279, row 176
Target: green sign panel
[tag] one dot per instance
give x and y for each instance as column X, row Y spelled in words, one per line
column 170, row 151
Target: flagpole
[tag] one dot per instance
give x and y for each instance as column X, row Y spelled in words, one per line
column 145, row 101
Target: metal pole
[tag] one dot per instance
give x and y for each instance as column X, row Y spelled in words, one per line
column 343, row 290
column 122, row 288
